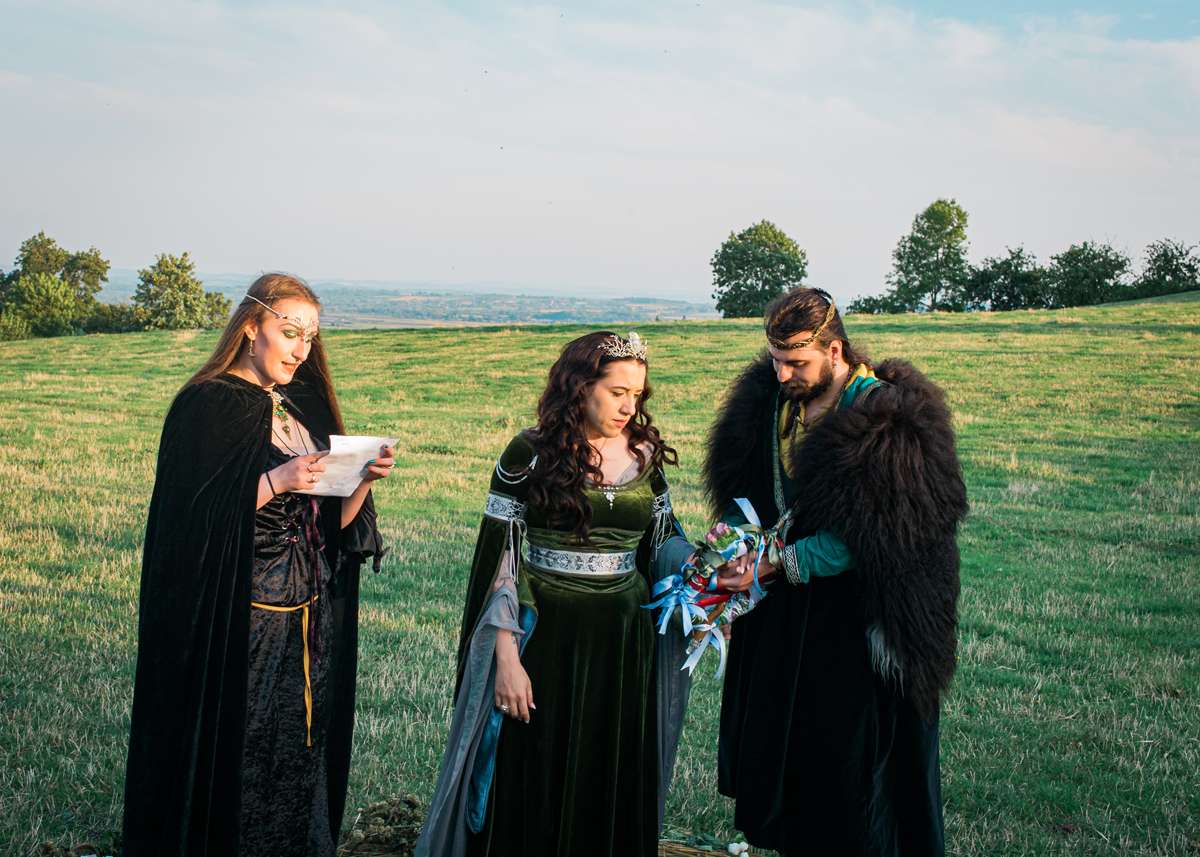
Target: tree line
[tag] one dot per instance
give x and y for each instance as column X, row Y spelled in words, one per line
column 51, row 291
column 931, row 272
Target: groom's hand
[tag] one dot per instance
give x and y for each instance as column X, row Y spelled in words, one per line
column 738, row 575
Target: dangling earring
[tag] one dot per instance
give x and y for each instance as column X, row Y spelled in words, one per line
column 251, row 347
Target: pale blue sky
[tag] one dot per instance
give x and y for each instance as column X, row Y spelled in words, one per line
column 604, row 147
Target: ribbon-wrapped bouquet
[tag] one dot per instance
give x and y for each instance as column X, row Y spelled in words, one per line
column 695, row 592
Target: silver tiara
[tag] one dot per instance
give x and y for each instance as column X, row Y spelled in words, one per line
column 301, row 322
column 620, row 348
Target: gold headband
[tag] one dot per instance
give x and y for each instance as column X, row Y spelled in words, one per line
column 830, row 312
column 624, row 349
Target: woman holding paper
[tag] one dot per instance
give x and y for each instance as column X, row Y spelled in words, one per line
column 247, row 635
column 564, row 729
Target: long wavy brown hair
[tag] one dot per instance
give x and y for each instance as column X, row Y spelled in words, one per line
column 270, row 288
column 566, row 461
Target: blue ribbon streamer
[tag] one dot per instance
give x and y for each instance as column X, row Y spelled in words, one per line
column 713, row 638
column 674, row 594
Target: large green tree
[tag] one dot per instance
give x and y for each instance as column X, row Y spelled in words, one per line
column 929, row 264
column 173, row 298
column 874, row 304
column 40, row 254
column 1086, row 274
column 86, row 272
column 1171, row 266
column 46, row 303
column 754, row 266
column 1013, row 281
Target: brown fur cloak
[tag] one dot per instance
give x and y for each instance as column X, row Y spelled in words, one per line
column 829, row 716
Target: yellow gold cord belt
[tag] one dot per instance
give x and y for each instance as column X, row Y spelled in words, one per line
column 308, row 698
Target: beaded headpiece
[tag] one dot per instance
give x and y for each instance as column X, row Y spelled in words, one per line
column 624, row 349
column 830, row 313
column 299, row 321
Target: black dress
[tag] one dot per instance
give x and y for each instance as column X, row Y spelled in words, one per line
column 190, row 761
column 285, row 798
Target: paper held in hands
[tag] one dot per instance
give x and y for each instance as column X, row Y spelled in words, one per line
column 346, row 464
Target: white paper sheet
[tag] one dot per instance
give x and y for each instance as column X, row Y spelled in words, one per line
column 346, row 464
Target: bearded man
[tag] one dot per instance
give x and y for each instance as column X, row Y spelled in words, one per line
column 829, row 719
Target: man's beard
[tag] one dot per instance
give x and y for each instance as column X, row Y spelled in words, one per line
column 801, row 391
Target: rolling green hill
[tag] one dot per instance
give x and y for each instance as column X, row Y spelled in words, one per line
column 1074, row 723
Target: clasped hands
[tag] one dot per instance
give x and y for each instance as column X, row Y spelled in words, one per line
column 737, row 575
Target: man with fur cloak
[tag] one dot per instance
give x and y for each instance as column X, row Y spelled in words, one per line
column 829, row 720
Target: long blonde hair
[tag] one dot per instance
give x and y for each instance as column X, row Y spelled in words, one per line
column 269, row 288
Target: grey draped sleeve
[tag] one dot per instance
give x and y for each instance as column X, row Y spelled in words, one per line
column 669, row 548
column 494, row 606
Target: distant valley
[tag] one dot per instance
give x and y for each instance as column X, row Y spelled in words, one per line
column 357, row 304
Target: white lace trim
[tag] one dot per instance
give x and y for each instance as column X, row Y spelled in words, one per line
column 582, row 562
column 504, row 508
column 661, row 511
column 791, row 565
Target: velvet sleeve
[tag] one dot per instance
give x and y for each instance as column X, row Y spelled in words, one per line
column 361, row 540
column 500, row 534
column 823, row 554
column 662, row 550
column 665, row 545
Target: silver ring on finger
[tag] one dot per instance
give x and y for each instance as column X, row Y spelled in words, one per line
column 504, row 708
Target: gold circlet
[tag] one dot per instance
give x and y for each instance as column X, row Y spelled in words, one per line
column 830, row 312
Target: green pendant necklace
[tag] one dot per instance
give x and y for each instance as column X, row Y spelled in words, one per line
column 280, row 412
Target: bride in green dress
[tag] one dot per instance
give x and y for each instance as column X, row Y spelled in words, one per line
column 565, row 724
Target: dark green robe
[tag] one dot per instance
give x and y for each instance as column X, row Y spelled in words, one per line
column 585, row 776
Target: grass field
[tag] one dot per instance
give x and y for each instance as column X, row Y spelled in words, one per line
column 1074, row 723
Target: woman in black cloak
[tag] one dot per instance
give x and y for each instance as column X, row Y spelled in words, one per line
column 568, row 704
column 243, row 700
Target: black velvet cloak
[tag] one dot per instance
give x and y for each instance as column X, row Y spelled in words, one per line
column 828, row 736
column 183, row 778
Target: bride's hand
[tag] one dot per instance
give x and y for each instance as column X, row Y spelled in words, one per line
column 738, row 575
column 514, row 690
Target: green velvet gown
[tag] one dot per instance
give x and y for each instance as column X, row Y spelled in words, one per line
column 583, row 776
